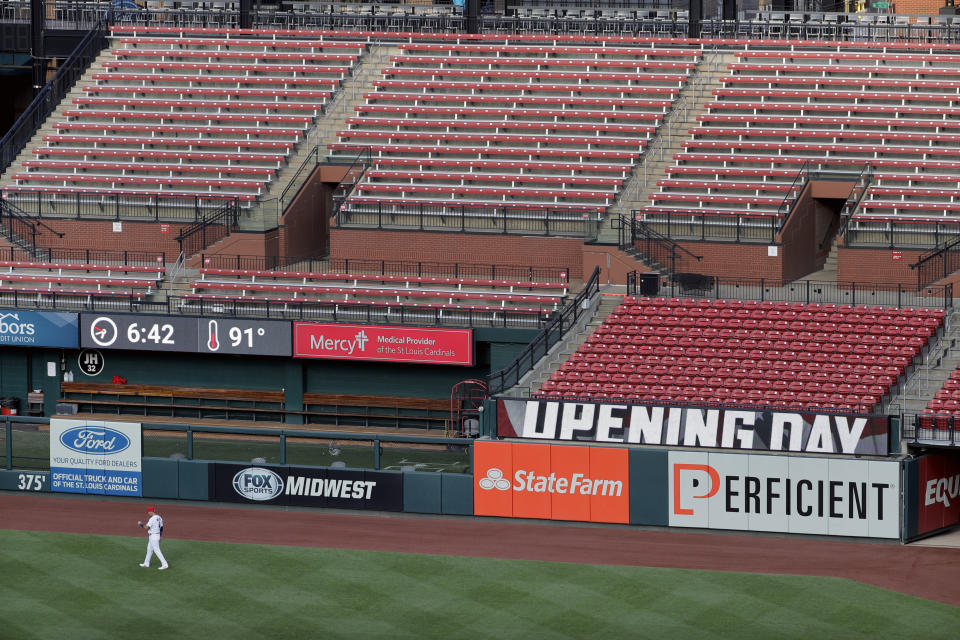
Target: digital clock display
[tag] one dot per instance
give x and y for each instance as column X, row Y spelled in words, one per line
column 138, row 332
column 185, row 334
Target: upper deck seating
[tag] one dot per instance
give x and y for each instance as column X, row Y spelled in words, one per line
column 553, row 126
column 288, row 288
column 896, row 111
column 747, row 353
column 183, row 113
column 79, row 281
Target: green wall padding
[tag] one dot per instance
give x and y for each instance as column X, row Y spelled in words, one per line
column 648, row 487
column 194, row 478
column 160, row 478
column 421, row 492
column 456, row 492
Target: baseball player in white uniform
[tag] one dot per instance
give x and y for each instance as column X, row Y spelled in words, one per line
column 154, row 527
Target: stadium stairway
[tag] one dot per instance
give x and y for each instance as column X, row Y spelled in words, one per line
column 47, row 128
column 927, row 378
column 706, row 77
column 602, row 305
column 324, row 132
column 829, row 271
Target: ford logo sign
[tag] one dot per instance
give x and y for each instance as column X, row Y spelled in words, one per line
column 94, row 440
column 255, row 483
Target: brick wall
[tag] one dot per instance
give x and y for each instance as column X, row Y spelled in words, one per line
column 614, row 264
column 732, row 260
column 417, row 246
column 918, row 7
column 876, row 265
column 140, row 237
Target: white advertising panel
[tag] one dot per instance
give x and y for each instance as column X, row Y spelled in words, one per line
column 95, row 456
column 787, row 494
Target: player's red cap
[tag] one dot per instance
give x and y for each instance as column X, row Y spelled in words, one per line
column 150, row 509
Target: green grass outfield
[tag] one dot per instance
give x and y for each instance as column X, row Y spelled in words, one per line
column 84, row 586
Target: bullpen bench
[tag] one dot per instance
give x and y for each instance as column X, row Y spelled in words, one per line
column 168, row 400
column 376, row 411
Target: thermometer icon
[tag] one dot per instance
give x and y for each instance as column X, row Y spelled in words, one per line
column 212, row 343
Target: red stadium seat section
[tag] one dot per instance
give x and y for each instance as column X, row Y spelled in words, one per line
column 188, row 113
column 83, row 281
column 943, row 410
column 778, row 109
column 451, row 294
column 747, row 353
column 551, row 126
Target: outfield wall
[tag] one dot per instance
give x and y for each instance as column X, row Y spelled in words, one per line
column 689, row 488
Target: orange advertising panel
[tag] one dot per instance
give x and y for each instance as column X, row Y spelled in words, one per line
column 611, row 503
column 589, row 484
column 492, row 479
column 567, row 462
column 531, row 463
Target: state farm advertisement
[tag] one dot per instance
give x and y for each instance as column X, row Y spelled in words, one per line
column 939, row 481
column 554, row 482
column 382, row 344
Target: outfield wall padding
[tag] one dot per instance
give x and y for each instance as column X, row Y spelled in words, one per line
column 456, row 494
column 160, row 478
column 422, row 492
column 194, row 480
column 648, row 469
column 22, row 480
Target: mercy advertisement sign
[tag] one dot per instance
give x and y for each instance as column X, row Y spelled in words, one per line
column 555, row 482
column 693, row 427
column 383, row 344
column 95, row 456
column 787, row 494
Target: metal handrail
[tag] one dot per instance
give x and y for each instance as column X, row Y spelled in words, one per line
column 864, row 180
column 499, row 381
column 351, row 178
column 14, row 225
column 654, row 241
column 47, row 99
column 226, row 219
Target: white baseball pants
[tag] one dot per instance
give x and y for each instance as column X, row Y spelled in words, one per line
column 153, row 547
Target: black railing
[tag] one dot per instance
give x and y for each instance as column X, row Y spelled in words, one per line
column 20, row 231
column 209, row 229
column 863, row 182
column 632, row 283
column 937, row 429
column 799, row 182
column 718, row 226
column 378, row 313
column 387, row 267
column 59, row 255
column 910, row 234
column 937, row 263
column 461, row 218
column 81, row 205
column 654, row 246
column 46, row 101
column 607, row 17
column 553, row 332
column 775, row 290
column 303, row 172
column 351, row 178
